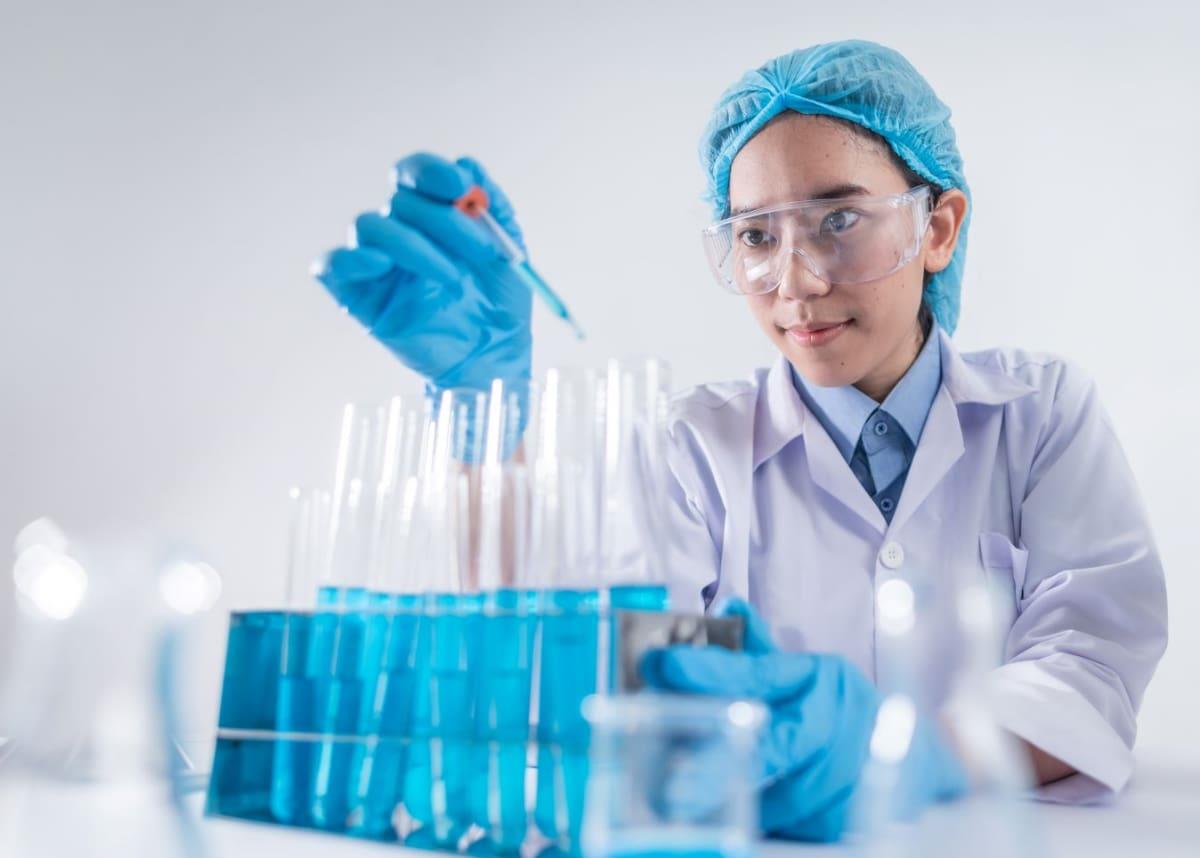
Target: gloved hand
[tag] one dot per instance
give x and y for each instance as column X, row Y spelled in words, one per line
column 822, row 714
column 430, row 283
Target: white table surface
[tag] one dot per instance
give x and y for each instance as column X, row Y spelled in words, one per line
column 1158, row 816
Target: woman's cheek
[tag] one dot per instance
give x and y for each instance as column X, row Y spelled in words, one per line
column 760, row 308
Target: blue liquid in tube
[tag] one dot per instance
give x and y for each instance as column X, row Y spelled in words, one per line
column 335, row 652
column 569, row 651
column 241, row 772
column 292, row 765
column 378, row 770
column 502, row 675
column 436, row 783
column 571, row 640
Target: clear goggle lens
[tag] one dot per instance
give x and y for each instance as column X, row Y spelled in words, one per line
column 841, row 241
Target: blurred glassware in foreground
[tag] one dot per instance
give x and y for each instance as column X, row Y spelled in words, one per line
column 90, row 702
column 672, row 776
column 939, row 671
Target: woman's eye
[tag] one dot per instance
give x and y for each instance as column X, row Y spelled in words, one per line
column 838, row 222
column 752, row 237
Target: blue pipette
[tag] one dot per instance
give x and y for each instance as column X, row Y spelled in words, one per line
column 474, row 204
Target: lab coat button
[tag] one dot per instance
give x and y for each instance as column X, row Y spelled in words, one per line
column 892, row 555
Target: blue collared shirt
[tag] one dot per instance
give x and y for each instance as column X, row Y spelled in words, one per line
column 878, row 441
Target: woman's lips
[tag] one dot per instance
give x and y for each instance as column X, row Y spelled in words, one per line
column 817, row 335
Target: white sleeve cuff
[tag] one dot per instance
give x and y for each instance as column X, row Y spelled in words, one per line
column 1046, row 712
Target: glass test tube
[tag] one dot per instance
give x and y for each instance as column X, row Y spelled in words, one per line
column 502, row 671
column 339, row 625
column 597, row 498
column 295, row 714
column 375, row 779
column 436, row 793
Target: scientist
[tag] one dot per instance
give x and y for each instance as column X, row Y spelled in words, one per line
column 871, row 450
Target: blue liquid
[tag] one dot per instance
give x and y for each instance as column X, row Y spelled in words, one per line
column 638, row 597
column 665, row 850
column 252, row 658
column 571, row 628
column 502, row 676
column 295, row 713
column 677, row 842
column 436, row 783
column 335, row 652
column 240, row 784
column 377, row 773
column 437, row 692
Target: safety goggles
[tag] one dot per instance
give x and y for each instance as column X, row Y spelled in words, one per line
column 841, row 241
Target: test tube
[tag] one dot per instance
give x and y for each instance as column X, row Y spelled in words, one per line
column 599, row 488
column 634, row 484
column 502, row 671
column 340, row 622
column 566, row 556
column 377, row 780
column 436, row 783
column 295, row 721
column 377, row 768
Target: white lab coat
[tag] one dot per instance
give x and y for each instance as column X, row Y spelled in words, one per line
column 1017, row 477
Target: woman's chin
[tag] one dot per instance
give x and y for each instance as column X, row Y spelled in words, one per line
column 823, row 372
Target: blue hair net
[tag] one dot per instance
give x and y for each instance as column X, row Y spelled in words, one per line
column 864, row 83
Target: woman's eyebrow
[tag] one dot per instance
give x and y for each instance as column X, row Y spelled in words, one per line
column 833, row 192
column 843, row 190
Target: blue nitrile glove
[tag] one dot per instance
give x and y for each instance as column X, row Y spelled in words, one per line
column 817, row 742
column 430, row 283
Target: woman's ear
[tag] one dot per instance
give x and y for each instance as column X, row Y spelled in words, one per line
column 944, row 223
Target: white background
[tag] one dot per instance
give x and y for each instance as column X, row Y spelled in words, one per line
column 168, row 171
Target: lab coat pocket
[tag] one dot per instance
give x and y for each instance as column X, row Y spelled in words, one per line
column 1005, row 564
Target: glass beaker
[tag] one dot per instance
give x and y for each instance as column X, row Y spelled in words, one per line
column 672, row 775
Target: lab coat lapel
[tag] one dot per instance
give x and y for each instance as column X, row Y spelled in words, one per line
column 782, row 418
column 941, row 444
column 940, row 447
column 830, row 472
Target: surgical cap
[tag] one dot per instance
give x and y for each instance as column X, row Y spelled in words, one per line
column 864, row 83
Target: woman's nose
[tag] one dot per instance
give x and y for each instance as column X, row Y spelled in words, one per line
column 799, row 276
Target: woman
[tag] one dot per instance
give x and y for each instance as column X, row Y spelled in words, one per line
column 871, row 450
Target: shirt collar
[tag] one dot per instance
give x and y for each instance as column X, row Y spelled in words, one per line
column 781, row 413
column 843, row 411
column 910, row 400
